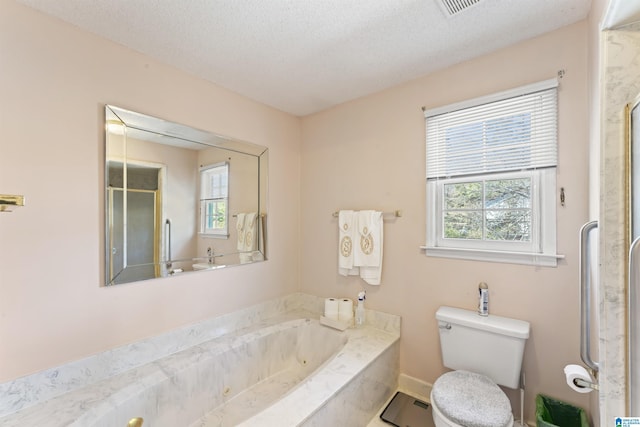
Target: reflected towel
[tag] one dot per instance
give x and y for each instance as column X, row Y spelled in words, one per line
column 250, row 231
column 240, row 231
column 346, row 234
column 249, row 237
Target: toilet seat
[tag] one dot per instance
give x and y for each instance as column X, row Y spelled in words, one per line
column 471, row 400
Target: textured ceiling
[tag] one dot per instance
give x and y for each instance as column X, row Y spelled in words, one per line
column 303, row 56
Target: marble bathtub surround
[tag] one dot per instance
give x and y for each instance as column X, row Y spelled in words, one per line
column 30, row 390
column 336, row 395
column 101, row 387
column 620, row 86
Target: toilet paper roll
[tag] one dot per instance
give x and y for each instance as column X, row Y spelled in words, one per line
column 575, row 372
column 331, row 306
column 345, row 310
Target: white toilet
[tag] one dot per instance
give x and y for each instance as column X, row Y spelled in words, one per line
column 484, row 351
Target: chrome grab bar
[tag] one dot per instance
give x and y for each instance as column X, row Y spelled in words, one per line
column 585, row 296
column 167, row 224
column 633, row 305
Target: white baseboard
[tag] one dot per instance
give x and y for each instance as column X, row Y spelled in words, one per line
column 414, row 387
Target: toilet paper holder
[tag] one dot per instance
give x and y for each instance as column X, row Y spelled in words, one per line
column 580, row 379
column 579, row 382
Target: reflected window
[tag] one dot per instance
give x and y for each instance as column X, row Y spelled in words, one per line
column 214, row 200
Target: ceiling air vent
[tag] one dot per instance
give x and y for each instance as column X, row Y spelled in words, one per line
column 453, row 7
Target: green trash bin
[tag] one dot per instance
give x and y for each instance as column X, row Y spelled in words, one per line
column 551, row 412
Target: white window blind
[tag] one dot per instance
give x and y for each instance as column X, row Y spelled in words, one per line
column 214, row 181
column 508, row 131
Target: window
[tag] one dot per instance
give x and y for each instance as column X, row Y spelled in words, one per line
column 491, row 170
column 214, row 200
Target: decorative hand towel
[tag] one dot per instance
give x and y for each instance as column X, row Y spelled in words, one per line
column 347, row 230
column 368, row 246
column 240, row 231
column 250, row 231
column 246, row 254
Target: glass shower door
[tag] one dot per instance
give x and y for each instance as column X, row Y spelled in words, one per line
column 633, row 294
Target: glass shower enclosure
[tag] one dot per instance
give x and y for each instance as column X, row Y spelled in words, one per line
column 633, row 290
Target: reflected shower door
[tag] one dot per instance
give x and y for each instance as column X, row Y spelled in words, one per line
column 140, row 238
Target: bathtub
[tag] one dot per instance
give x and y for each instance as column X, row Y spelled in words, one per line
column 288, row 370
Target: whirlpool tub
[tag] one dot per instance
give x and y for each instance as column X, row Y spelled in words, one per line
column 286, row 370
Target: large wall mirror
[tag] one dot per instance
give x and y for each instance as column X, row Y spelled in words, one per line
column 179, row 199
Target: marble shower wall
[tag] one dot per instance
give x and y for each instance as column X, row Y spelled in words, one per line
column 620, row 86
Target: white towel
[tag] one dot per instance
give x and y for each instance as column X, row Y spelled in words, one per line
column 346, row 235
column 249, row 232
column 368, row 246
column 240, row 231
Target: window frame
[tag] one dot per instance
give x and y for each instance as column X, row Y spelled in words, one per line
column 541, row 250
column 220, row 233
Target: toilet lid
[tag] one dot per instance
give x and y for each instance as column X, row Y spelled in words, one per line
column 471, row 399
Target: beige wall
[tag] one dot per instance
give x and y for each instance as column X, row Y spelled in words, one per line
column 370, row 153
column 54, row 82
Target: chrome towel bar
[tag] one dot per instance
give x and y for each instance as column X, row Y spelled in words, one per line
column 396, row 213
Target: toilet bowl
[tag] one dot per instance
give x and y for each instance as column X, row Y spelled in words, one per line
column 484, row 352
column 466, row 399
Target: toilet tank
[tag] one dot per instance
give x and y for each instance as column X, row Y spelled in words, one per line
column 489, row 345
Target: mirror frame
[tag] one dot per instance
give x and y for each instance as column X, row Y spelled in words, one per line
column 182, row 136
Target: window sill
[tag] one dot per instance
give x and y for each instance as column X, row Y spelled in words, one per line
column 526, row 258
column 213, row 236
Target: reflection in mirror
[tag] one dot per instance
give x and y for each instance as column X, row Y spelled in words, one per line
column 179, row 199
